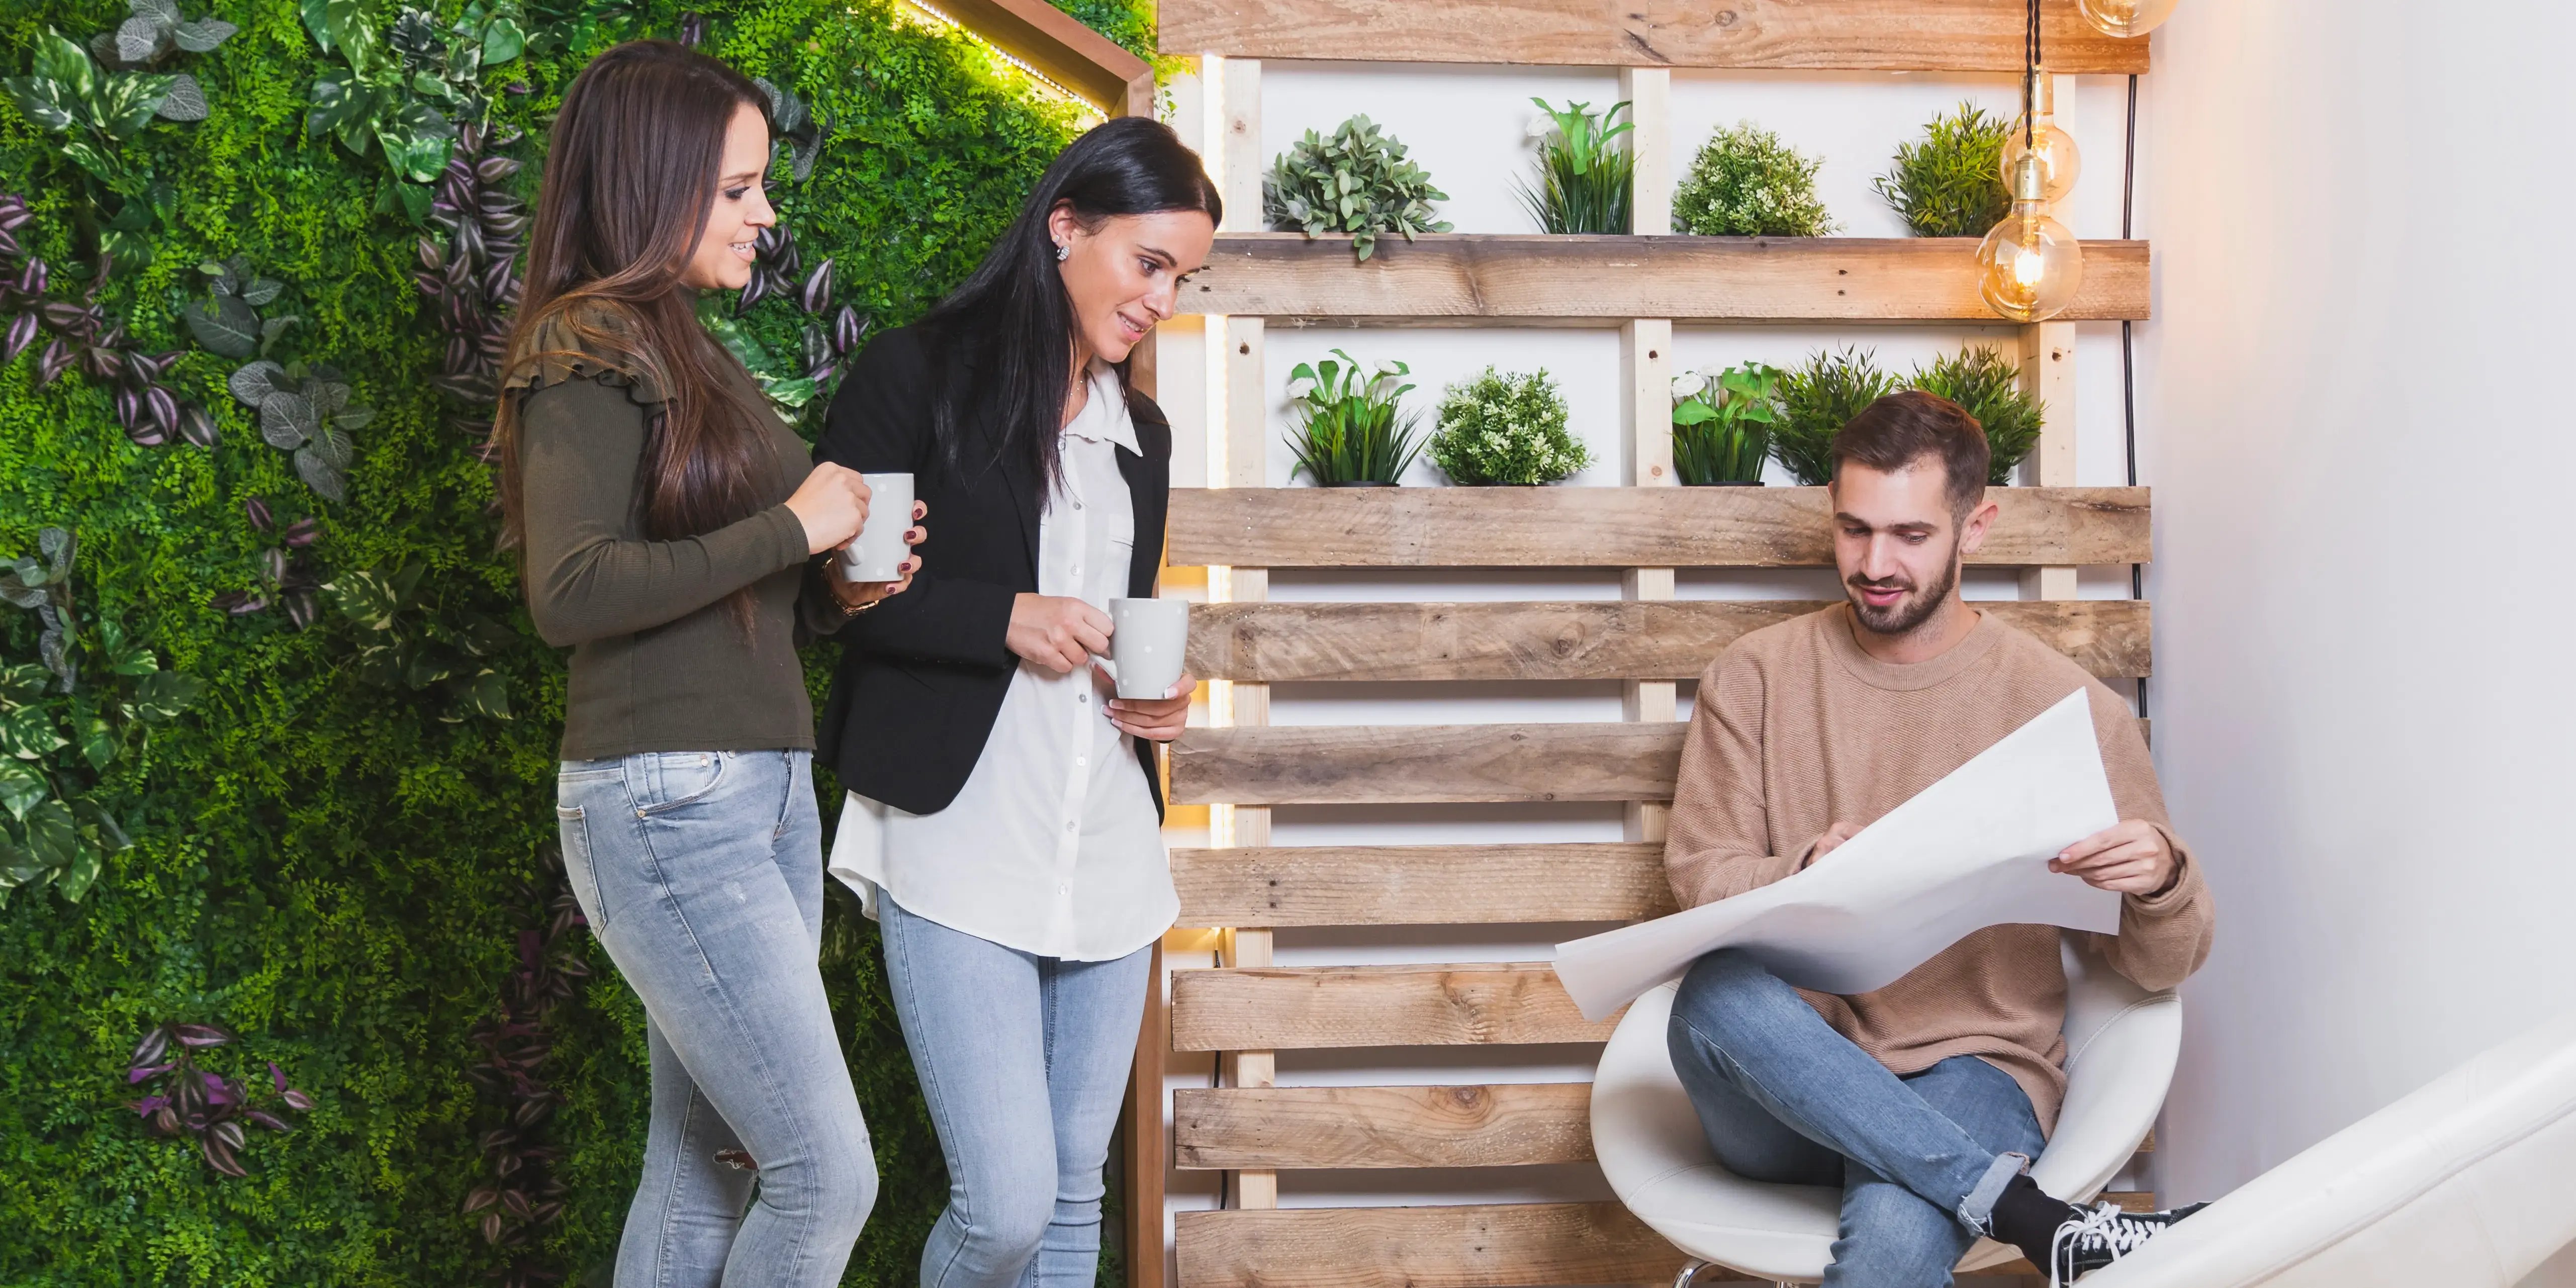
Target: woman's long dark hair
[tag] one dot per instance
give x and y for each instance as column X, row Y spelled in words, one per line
column 1012, row 318
column 631, row 174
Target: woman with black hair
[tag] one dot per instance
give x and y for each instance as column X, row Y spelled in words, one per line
column 1003, row 823
column 674, row 536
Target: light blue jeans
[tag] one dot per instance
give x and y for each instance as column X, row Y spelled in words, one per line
column 1023, row 1062
column 1786, row 1099
column 702, row 874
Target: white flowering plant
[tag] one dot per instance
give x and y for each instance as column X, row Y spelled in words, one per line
column 1722, row 424
column 1506, row 429
column 1348, row 429
column 1746, row 183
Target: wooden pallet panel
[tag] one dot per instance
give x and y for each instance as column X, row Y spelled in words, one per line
column 1593, row 640
column 1846, row 35
column 1502, row 1125
column 1513, row 279
column 1382, row 885
column 1611, row 527
column 1282, row 1008
column 1423, row 764
column 1465, row 1246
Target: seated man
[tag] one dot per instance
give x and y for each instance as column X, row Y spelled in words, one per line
column 1925, row 1100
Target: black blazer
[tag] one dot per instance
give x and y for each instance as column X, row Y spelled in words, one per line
column 922, row 674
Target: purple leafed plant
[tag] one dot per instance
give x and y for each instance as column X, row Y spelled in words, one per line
column 186, row 1101
column 468, row 272
column 287, row 572
column 85, row 337
column 523, row 1196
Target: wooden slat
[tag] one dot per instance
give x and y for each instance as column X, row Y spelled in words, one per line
column 1610, row 527
column 1848, row 35
column 1420, row 764
column 1060, row 48
column 1301, row 1008
column 1593, row 640
column 1380, row 885
column 1507, row 1124
column 1466, row 1246
column 1513, row 279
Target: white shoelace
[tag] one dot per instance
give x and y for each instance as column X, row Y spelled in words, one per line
column 2104, row 1226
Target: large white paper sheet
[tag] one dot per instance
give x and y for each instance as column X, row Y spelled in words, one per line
column 1968, row 852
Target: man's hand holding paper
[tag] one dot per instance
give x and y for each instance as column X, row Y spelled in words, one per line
column 1993, row 843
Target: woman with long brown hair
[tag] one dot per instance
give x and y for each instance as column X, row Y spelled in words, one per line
column 675, row 537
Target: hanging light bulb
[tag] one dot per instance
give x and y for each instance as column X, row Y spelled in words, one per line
column 2029, row 266
column 2125, row 17
column 2036, row 134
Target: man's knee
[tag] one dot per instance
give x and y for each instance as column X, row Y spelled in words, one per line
column 1720, row 996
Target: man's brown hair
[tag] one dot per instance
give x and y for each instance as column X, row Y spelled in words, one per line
column 1900, row 429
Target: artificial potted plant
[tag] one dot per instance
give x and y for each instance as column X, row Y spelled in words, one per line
column 1722, row 425
column 1349, row 432
column 1506, row 430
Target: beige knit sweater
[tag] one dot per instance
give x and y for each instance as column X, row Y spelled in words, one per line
column 1796, row 729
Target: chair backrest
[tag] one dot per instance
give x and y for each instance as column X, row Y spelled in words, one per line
column 2462, row 1183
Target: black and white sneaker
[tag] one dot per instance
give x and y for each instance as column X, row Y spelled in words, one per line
column 2096, row 1237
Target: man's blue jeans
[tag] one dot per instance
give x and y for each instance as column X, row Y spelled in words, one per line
column 1786, row 1099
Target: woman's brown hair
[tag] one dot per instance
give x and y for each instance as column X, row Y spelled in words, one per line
column 630, row 175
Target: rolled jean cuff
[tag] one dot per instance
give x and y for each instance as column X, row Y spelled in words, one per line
column 1978, row 1207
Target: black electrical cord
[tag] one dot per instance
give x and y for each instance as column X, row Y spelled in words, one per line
column 2128, row 355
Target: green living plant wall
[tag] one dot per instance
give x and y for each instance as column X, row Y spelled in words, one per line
column 333, row 864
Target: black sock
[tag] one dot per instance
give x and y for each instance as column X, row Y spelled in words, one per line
column 2025, row 1217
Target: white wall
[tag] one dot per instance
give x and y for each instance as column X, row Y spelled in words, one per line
column 2361, row 455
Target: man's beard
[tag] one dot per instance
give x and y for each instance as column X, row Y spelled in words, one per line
column 1905, row 615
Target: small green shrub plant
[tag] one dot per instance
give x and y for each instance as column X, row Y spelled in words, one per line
column 1506, row 430
column 1722, row 424
column 1357, row 181
column 1746, row 183
column 1950, row 182
column 1349, row 430
column 1584, row 179
column 1816, row 399
column 1982, row 380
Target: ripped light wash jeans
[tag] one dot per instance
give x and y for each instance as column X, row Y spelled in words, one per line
column 1784, row 1098
column 702, row 874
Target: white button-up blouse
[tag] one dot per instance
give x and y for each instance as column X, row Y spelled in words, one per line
column 1052, row 847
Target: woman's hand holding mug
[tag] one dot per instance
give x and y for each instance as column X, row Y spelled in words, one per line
column 1056, row 633
column 855, row 595
column 832, row 503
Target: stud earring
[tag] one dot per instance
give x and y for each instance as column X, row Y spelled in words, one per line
column 1062, row 251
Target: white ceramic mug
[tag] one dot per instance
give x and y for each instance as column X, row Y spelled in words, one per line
column 878, row 552
column 1148, row 643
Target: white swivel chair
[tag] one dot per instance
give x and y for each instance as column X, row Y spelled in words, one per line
column 2121, row 1044
column 2462, row 1184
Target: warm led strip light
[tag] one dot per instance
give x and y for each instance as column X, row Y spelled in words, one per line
column 931, row 16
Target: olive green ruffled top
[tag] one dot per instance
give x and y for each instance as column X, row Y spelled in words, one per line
column 659, row 662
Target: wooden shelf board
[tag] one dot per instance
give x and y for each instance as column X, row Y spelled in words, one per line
column 1498, row 1245
column 1501, row 1125
column 1424, row 764
column 1304, row 1008
column 1590, row 640
column 1487, row 279
column 1611, row 527
column 1843, row 35
column 1383, row 885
